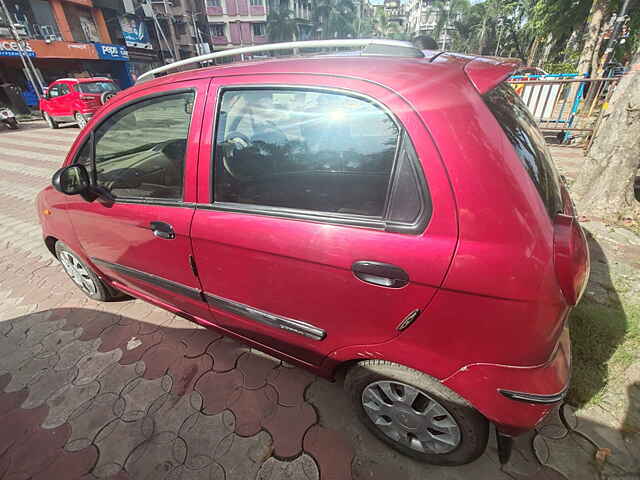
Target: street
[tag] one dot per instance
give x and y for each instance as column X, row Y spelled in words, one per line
column 126, row 390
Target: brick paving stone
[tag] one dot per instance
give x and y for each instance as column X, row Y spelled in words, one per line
column 302, row 468
column 117, row 336
column 202, row 434
column 290, row 384
column 255, row 367
column 198, row 342
column 241, row 457
column 135, row 350
column 63, row 403
column 4, row 380
column 287, row 426
column 116, row 441
column 88, row 419
column 251, row 407
column 72, row 353
column 187, row 371
column 139, row 394
column 60, row 338
column 116, row 377
column 10, row 401
column 30, row 372
column 47, row 444
column 170, row 412
column 331, row 450
column 69, row 465
column 216, row 389
column 19, row 424
column 225, row 353
column 160, row 358
column 47, row 385
column 93, row 364
column 159, row 457
column 95, row 325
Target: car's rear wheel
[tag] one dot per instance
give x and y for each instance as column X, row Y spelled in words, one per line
column 415, row 414
column 50, row 121
column 12, row 124
column 84, row 277
column 80, row 120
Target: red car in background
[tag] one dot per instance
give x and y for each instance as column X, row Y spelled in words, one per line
column 75, row 99
column 393, row 214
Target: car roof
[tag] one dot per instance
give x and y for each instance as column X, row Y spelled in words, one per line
column 388, row 71
column 84, row 80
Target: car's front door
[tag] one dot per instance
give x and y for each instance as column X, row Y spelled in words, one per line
column 319, row 232
column 145, row 159
column 53, row 101
column 64, row 107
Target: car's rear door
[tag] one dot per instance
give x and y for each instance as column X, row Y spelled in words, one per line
column 53, row 100
column 320, row 229
column 145, row 150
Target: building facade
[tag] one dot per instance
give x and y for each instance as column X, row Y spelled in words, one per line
column 424, row 17
column 62, row 38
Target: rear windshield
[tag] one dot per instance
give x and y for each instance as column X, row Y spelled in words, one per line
column 521, row 130
column 96, row 87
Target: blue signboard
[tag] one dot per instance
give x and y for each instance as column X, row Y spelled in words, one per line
column 9, row 48
column 135, row 33
column 107, row 51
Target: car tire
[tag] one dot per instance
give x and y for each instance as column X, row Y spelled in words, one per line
column 80, row 120
column 84, row 277
column 13, row 124
column 50, row 121
column 437, row 426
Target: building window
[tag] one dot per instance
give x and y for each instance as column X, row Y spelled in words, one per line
column 256, row 3
column 259, row 30
column 213, row 3
column 217, row 29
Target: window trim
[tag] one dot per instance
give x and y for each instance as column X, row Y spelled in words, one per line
column 345, row 219
column 91, row 137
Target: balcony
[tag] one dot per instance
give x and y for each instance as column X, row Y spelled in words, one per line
column 219, row 40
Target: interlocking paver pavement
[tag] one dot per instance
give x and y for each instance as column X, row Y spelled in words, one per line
column 125, row 390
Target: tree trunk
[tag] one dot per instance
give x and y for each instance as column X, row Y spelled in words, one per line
column 596, row 16
column 604, row 187
column 533, row 52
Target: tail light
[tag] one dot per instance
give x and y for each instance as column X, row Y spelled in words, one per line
column 571, row 257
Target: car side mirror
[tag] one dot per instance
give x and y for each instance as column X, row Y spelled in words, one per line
column 71, row 180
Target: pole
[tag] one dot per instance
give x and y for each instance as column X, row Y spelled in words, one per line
column 23, row 53
column 499, row 38
column 608, row 53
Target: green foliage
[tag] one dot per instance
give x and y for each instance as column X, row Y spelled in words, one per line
column 281, row 25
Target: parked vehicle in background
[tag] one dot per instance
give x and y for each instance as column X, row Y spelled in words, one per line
column 8, row 118
column 75, row 99
column 390, row 212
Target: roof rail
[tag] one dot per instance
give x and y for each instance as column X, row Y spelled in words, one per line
column 370, row 46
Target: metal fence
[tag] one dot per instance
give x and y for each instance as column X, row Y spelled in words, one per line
column 557, row 100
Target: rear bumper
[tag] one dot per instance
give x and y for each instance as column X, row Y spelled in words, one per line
column 516, row 398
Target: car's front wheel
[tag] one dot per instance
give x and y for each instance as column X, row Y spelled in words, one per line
column 83, row 276
column 415, row 414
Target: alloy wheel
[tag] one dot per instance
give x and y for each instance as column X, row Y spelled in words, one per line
column 78, row 273
column 410, row 417
column 82, row 122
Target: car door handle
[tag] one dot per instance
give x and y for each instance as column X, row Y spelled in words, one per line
column 163, row 230
column 381, row 274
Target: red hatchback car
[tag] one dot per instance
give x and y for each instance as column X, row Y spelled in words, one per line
column 390, row 212
column 75, row 99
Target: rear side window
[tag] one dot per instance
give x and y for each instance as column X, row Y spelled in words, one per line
column 303, row 149
column 96, row 87
column 521, row 130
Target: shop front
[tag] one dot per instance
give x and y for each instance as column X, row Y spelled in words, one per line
column 59, row 59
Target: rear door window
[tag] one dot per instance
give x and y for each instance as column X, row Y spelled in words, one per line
column 307, row 150
column 527, row 140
